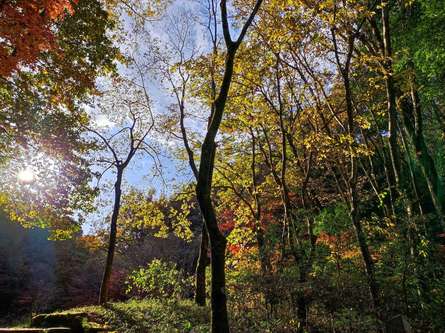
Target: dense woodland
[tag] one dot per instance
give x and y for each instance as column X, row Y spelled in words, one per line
column 306, row 139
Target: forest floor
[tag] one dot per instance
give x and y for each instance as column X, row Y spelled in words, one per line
column 151, row 316
column 133, row 316
column 136, row 316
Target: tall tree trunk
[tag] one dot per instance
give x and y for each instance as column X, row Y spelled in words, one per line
column 220, row 322
column 200, row 274
column 352, row 181
column 390, row 98
column 364, row 250
column 413, row 123
column 103, row 295
column 353, row 202
column 425, row 160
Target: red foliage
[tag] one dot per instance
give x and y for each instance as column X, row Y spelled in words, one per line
column 267, row 219
column 227, row 219
column 26, row 30
column 233, row 248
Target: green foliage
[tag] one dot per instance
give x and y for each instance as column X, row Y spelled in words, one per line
column 150, row 315
column 159, row 279
column 420, row 39
column 351, row 320
column 250, row 294
column 333, row 220
column 142, row 213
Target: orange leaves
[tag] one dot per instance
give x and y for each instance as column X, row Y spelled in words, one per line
column 56, row 8
column 26, row 30
column 341, row 246
column 233, row 248
column 91, row 242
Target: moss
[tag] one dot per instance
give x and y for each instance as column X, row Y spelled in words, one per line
column 37, row 330
column 77, row 321
column 72, row 320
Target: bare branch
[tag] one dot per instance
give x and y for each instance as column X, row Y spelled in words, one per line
column 106, row 141
column 249, row 21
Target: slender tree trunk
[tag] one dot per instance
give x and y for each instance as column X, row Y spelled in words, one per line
column 423, row 156
column 103, row 295
column 366, row 256
column 413, row 124
column 264, row 258
column 303, row 301
column 220, row 322
column 352, row 181
column 390, row 97
column 388, row 174
column 414, row 185
column 393, row 166
column 353, row 202
column 200, row 274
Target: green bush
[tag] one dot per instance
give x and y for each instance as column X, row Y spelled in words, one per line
column 159, row 279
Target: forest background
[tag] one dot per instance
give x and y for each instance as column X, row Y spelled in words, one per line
column 282, row 159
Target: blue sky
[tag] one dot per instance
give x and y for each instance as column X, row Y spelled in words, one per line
column 140, row 173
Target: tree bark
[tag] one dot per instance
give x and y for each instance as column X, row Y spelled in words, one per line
column 200, row 274
column 366, row 256
column 220, row 321
column 413, row 123
column 352, row 181
column 103, row 295
column 390, row 97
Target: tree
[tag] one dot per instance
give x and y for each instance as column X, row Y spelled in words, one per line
column 26, row 31
column 218, row 242
column 41, row 123
column 173, row 58
column 131, row 106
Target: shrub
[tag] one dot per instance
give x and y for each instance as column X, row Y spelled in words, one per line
column 159, row 279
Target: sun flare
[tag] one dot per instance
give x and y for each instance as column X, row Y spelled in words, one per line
column 26, row 176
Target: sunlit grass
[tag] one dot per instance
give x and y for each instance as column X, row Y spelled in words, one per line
column 150, row 315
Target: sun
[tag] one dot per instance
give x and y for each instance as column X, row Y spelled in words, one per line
column 26, row 176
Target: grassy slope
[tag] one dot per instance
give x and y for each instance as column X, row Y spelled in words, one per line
column 138, row 316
